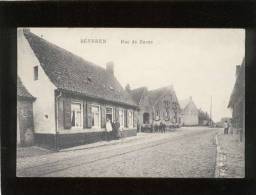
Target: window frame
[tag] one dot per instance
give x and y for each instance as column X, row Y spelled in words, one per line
column 112, row 112
column 121, row 110
column 82, row 114
column 130, row 124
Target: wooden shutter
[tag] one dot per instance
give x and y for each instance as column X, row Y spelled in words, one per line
column 125, row 118
column 135, row 117
column 103, row 116
column 84, row 115
column 117, row 114
column 67, row 113
column 89, row 115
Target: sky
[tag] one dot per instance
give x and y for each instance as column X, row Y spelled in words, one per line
column 198, row 62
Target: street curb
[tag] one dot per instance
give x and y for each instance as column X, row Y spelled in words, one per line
column 115, row 142
column 220, row 160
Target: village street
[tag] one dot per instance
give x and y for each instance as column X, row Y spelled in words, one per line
column 185, row 152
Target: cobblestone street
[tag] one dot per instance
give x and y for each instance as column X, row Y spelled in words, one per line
column 186, row 152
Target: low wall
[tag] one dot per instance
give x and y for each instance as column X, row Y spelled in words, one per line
column 60, row 141
column 45, row 140
column 129, row 133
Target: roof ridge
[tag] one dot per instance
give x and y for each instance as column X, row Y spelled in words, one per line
column 162, row 88
column 65, row 50
column 71, row 72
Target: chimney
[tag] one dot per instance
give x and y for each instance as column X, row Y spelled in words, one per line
column 237, row 70
column 110, row 67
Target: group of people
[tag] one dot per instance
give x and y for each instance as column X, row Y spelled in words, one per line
column 159, row 127
column 112, row 130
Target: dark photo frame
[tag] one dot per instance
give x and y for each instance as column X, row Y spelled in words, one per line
column 127, row 15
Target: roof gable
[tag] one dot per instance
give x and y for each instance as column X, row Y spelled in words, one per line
column 187, row 104
column 137, row 94
column 155, row 94
column 70, row 72
column 22, row 91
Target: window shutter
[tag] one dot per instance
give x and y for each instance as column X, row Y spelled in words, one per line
column 84, row 115
column 89, row 115
column 67, row 113
column 135, row 116
column 103, row 116
column 125, row 118
column 117, row 114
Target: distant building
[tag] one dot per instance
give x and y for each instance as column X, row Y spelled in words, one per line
column 237, row 99
column 189, row 112
column 156, row 106
column 74, row 97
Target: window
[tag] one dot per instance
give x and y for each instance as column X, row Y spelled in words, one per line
column 121, row 117
column 130, row 118
column 76, row 115
column 109, row 114
column 96, row 116
column 36, row 73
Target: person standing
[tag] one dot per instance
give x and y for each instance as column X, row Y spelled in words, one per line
column 108, row 129
column 225, row 127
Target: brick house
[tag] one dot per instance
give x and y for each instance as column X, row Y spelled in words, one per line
column 189, row 112
column 237, row 100
column 156, row 106
column 73, row 96
column 25, row 124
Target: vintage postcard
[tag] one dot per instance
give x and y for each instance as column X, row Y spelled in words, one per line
column 130, row 102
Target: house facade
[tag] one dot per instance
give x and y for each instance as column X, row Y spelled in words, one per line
column 237, row 100
column 155, row 106
column 74, row 97
column 189, row 113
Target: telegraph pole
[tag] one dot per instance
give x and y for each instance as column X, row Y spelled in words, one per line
column 211, row 113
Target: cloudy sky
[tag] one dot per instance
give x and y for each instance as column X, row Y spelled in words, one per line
column 198, row 62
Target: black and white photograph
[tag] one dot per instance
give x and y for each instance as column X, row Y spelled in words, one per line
column 131, row 102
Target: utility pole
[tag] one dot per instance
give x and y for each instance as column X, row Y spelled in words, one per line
column 211, row 113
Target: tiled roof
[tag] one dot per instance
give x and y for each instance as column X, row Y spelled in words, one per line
column 238, row 92
column 137, row 94
column 184, row 103
column 22, row 91
column 72, row 73
column 156, row 93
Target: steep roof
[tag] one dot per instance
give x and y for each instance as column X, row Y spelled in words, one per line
column 238, row 92
column 184, row 103
column 156, row 93
column 22, row 92
column 137, row 94
column 72, row 73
